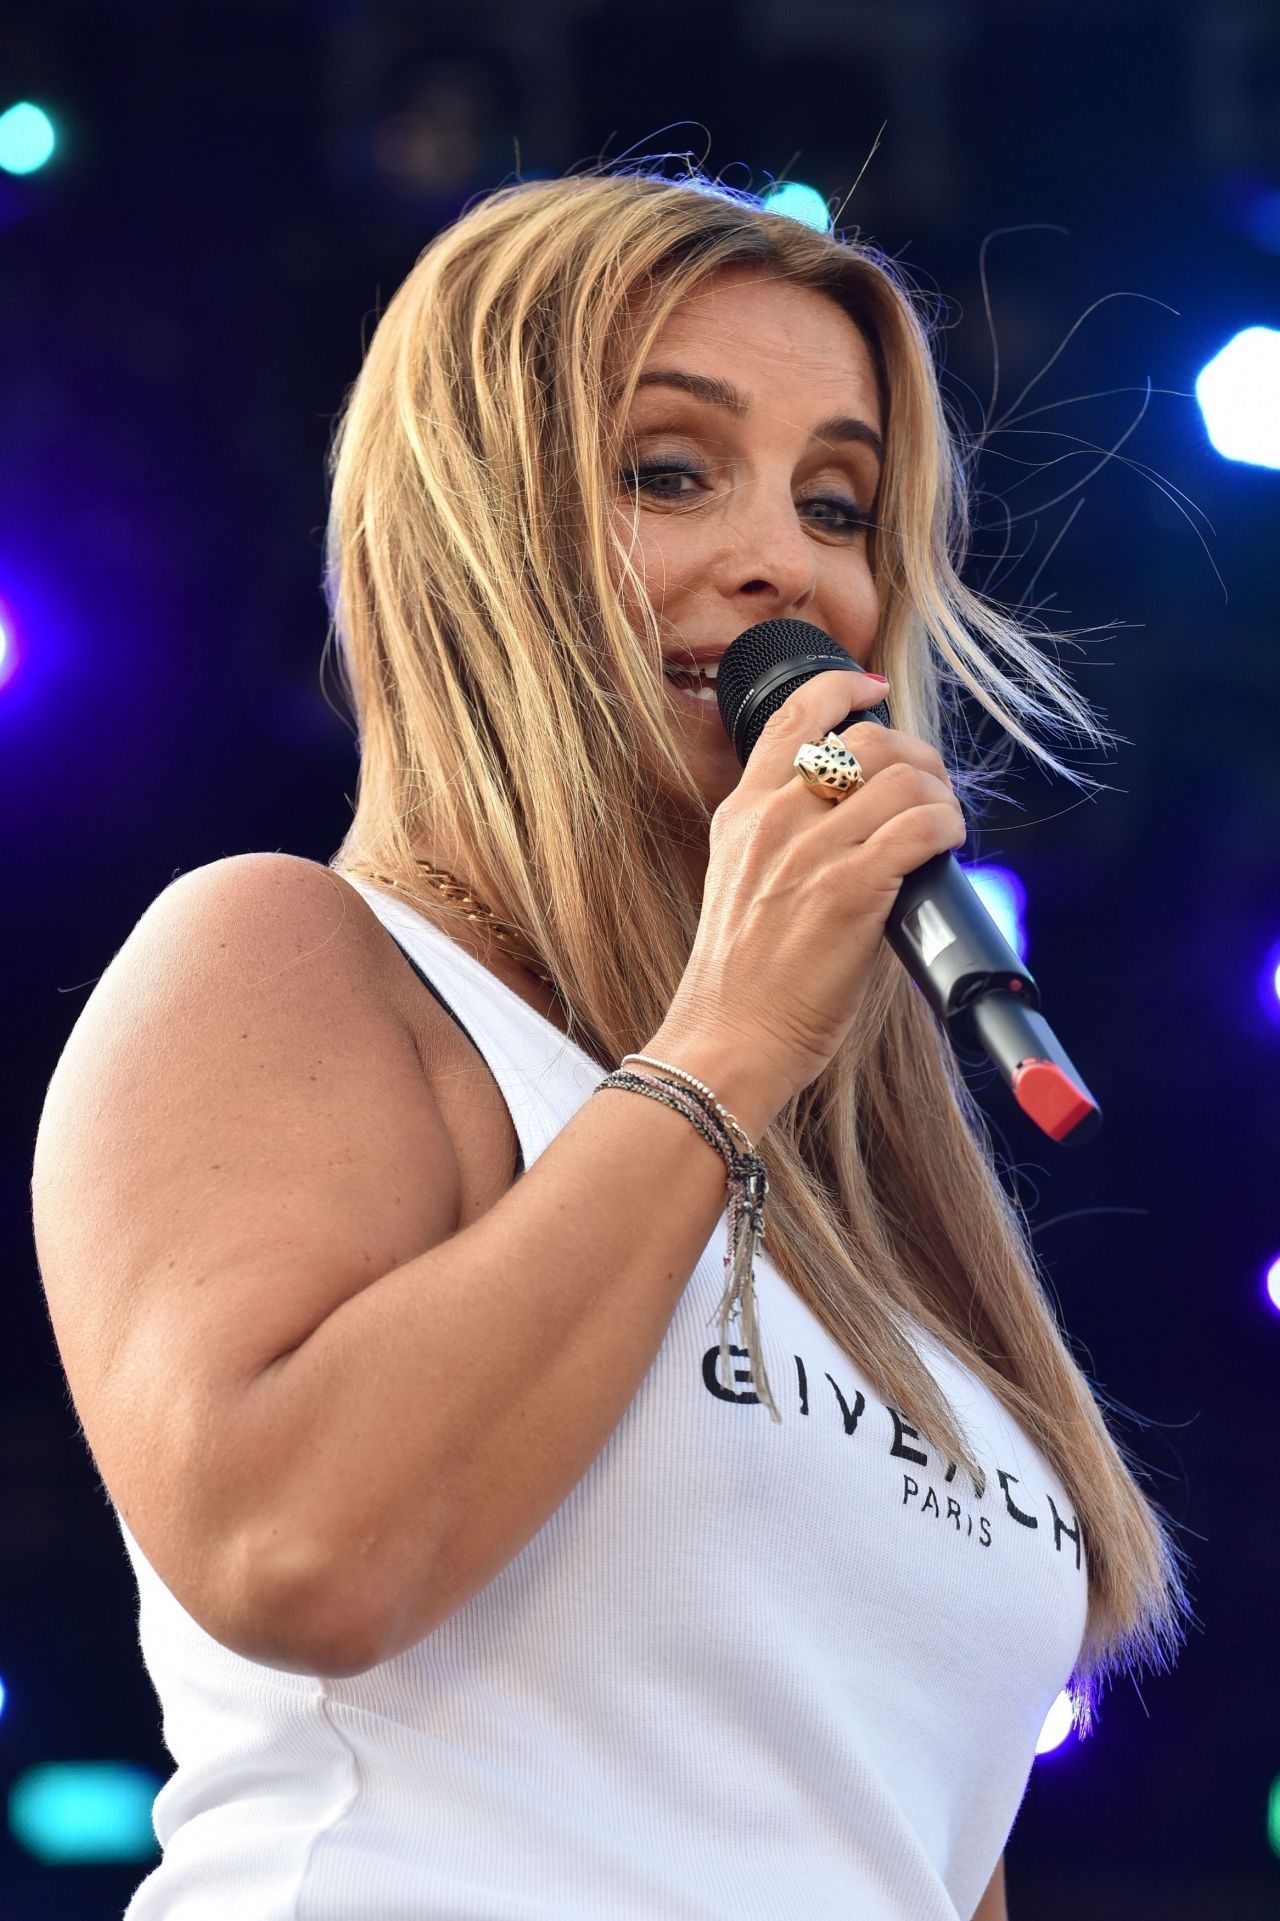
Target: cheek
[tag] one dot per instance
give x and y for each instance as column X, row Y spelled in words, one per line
column 658, row 558
column 855, row 588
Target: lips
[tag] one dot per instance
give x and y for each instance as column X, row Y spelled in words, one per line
column 696, row 661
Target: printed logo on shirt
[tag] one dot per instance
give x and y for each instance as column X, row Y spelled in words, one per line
column 903, row 1442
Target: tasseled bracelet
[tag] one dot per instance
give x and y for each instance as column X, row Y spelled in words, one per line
column 748, row 1183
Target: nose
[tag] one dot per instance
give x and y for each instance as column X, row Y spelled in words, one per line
column 773, row 562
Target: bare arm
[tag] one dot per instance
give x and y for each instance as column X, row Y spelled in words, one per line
column 327, row 1416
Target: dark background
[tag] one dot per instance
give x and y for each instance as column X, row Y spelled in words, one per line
column 185, row 293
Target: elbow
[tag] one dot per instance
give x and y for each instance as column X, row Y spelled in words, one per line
column 305, row 1614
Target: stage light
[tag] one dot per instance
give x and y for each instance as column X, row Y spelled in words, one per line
column 1272, row 1284
column 1269, row 984
column 1239, row 395
column 79, row 1811
column 2, row 1697
column 27, row 138
column 798, row 202
column 8, row 646
column 1058, row 1723
column 1005, row 899
column 1273, row 1816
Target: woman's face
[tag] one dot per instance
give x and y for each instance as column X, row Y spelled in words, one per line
column 752, row 463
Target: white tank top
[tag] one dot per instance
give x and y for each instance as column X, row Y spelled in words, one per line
column 746, row 1670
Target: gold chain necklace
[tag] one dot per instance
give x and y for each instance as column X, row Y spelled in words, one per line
column 509, row 938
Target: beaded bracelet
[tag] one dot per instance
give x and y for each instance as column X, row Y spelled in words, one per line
column 691, row 1080
column 682, row 1102
column 748, row 1183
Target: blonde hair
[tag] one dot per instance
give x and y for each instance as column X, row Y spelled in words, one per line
column 509, row 710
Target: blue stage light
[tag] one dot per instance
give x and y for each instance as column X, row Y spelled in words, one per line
column 1239, row 395
column 1058, row 1723
column 65, row 1811
column 27, row 138
column 2, row 1697
column 798, row 202
column 1005, row 899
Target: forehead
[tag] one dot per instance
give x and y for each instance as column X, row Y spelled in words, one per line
column 766, row 333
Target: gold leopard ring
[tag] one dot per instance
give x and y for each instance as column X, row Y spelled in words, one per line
column 828, row 768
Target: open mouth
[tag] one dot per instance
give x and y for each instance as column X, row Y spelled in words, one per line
column 696, row 683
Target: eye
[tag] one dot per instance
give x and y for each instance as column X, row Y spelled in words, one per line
column 834, row 514
column 662, row 479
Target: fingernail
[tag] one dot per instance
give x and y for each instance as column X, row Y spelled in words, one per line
column 870, row 676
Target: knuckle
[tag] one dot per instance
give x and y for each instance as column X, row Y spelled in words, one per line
column 915, row 784
column 923, row 823
column 862, row 737
column 946, row 819
column 737, row 814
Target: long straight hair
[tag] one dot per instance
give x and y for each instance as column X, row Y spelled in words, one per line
column 509, row 710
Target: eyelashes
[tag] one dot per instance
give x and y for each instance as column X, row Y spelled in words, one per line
column 661, row 480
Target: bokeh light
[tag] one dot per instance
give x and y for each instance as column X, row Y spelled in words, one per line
column 27, row 138
column 8, row 647
column 1239, row 396
column 1269, row 983
column 1272, row 1284
column 1005, row 899
column 1058, row 1723
column 65, row 1811
column 798, row 202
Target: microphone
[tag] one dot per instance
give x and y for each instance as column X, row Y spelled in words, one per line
column 938, row 926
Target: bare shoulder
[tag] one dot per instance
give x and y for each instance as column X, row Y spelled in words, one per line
column 248, row 913
column 272, row 931
column 238, row 1136
column 280, row 941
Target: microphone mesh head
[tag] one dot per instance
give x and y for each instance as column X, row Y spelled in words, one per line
column 751, row 655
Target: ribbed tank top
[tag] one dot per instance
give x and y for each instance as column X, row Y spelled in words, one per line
column 745, row 1671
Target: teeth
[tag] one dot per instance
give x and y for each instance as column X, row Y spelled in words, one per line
column 707, row 669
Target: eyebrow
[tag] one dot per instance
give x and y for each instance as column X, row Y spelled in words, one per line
column 719, row 393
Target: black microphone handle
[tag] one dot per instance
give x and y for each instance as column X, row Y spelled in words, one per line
column 952, row 948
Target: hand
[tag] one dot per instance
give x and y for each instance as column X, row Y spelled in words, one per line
column 798, row 888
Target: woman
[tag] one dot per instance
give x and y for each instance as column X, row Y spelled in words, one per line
column 483, row 1570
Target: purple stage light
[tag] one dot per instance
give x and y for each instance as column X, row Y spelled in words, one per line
column 1269, row 985
column 1005, row 899
column 8, row 647
column 1058, row 1723
column 1272, row 1284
